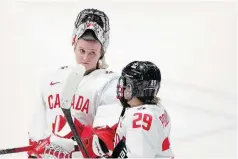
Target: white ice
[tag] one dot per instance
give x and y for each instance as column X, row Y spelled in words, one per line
column 193, row 43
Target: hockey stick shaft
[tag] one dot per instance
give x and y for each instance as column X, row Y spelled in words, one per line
column 68, row 117
column 16, row 150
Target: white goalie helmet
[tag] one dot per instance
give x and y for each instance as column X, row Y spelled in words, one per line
column 98, row 22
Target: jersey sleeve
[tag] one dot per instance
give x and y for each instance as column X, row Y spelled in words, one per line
column 108, row 93
column 38, row 125
column 109, row 107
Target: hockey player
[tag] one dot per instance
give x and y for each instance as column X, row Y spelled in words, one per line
column 49, row 132
column 144, row 129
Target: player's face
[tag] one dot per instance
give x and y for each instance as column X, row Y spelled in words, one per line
column 88, row 53
column 128, row 92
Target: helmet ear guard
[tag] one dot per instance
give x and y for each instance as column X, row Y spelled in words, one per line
column 151, row 88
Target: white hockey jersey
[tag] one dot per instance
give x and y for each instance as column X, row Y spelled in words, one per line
column 96, row 89
column 145, row 130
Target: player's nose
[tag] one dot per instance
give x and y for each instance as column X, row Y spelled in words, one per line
column 85, row 57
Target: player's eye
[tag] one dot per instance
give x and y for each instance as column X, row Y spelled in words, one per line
column 128, row 87
column 82, row 51
column 92, row 53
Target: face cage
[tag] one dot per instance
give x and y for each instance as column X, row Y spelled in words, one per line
column 121, row 85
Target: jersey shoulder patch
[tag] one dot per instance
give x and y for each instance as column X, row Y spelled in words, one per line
column 141, row 108
column 108, row 72
column 64, row 67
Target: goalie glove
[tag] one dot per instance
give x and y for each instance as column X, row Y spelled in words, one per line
column 98, row 141
column 47, row 148
column 38, row 148
column 57, row 145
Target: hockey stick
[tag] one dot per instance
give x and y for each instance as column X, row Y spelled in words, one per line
column 16, row 150
column 73, row 80
column 120, row 149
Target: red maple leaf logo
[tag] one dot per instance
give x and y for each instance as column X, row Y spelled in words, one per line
column 89, row 24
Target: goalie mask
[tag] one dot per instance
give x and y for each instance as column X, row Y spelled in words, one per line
column 139, row 79
column 98, row 22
